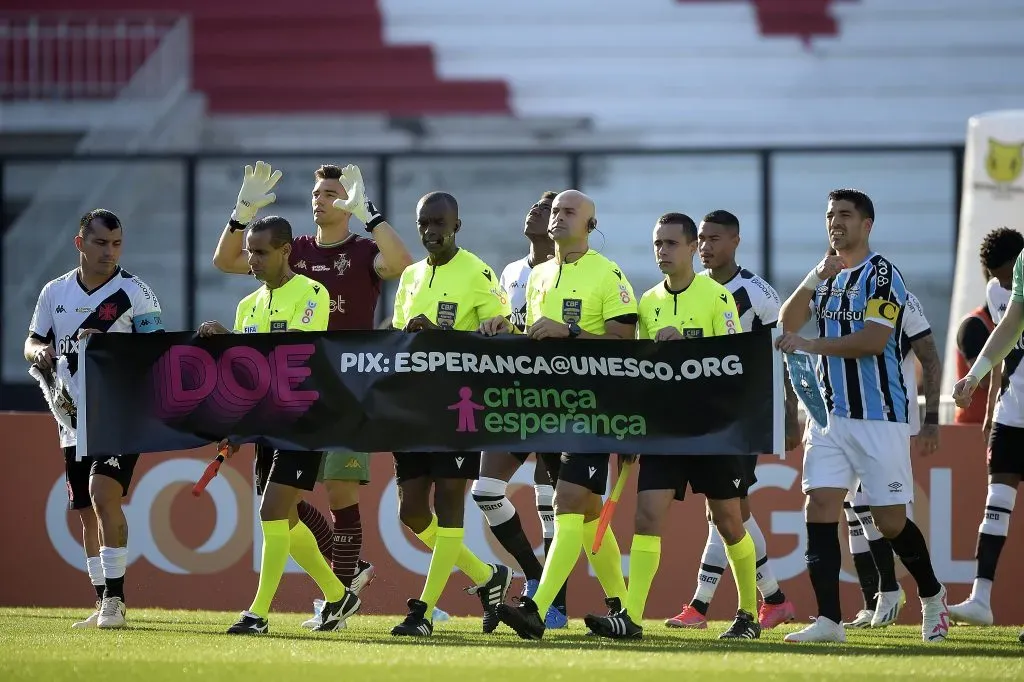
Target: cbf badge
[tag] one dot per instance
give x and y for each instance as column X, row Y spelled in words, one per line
column 805, row 385
column 278, row 325
column 446, row 314
column 572, row 310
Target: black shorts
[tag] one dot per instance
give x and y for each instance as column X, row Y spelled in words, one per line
column 717, row 477
column 1006, row 450
column 552, row 462
column 293, row 468
column 434, row 465
column 587, row 470
column 77, row 474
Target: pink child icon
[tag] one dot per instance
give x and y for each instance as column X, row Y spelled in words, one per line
column 467, row 409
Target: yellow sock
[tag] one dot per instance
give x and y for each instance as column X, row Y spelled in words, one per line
column 607, row 562
column 276, row 541
column 307, row 555
column 743, row 561
column 447, row 545
column 644, row 557
column 561, row 559
column 468, row 563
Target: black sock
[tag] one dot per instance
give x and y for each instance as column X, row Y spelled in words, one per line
column 114, row 588
column 559, row 602
column 867, row 575
column 775, row 599
column 100, row 589
column 511, row 536
column 912, row 550
column 989, row 548
column 885, row 563
column 701, row 606
column 824, row 559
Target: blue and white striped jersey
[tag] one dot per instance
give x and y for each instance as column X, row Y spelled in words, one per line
column 869, row 387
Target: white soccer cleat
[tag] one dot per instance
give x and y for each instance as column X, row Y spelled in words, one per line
column 89, row 622
column 935, row 618
column 111, row 616
column 971, row 612
column 440, row 616
column 318, row 606
column 861, row 620
column 888, row 608
column 363, row 577
column 821, row 630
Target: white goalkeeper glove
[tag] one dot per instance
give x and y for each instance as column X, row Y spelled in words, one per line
column 255, row 192
column 357, row 204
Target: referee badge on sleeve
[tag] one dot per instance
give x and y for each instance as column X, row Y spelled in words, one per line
column 572, row 310
column 446, row 314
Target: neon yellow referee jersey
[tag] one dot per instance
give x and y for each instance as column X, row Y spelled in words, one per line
column 705, row 308
column 588, row 292
column 300, row 304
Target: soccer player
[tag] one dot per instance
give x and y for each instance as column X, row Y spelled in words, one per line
column 287, row 301
column 97, row 296
column 450, row 289
column 578, row 294
column 351, row 268
column 857, row 298
column 872, row 553
column 685, row 306
column 757, row 304
column 1005, row 459
column 497, row 468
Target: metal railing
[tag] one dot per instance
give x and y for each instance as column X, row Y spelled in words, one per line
column 66, row 56
column 776, row 209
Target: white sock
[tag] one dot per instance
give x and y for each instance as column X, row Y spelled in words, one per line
column 981, row 592
column 545, row 495
column 114, row 561
column 95, row 569
column 713, row 563
column 767, row 585
column 858, row 543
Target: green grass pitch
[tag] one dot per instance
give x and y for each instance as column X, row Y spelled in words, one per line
column 39, row 644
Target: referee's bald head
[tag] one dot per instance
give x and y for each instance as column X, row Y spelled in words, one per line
column 440, row 198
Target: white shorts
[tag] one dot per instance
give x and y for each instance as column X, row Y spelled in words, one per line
column 875, row 454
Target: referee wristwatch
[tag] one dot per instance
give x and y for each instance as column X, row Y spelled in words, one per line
column 574, row 330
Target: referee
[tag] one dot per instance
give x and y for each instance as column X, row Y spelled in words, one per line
column 286, row 302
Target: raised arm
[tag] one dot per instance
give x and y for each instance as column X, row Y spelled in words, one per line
column 255, row 193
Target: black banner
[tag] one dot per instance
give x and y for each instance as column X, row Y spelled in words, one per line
column 377, row 391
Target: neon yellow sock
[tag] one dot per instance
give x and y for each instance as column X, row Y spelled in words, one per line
column 565, row 550
column 447, row 546
column 644, row 557
column 307, row 555
column 743, row 561
column 468, row 563
column 276, row 541
column 607, row 563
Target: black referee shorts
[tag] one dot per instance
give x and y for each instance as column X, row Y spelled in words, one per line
column 293, row 468
column 1006, row 450
column 587, row 470
column 77, row 474
column 717, row 477
column 552, row 462
column 435, row 465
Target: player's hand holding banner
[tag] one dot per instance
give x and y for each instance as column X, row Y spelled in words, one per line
column 432, row 391
column 805, row 384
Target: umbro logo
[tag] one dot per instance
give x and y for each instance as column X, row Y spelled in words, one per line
column 459, row 461
column 113, row 462
column 895, row 486
column 593, row 470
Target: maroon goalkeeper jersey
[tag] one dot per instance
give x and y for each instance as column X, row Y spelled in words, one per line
column 347, row 271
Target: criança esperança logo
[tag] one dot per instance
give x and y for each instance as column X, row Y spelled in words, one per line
column 526, row 411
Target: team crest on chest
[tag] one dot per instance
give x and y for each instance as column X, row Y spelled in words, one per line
column 341, row 264
column 572, row 309
column 446, row 314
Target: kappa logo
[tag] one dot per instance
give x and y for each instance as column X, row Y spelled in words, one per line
column 60, row 310
column 113, row 462
column 459, row 461
column 593, row 470
column 301, row 265
column 352, row 463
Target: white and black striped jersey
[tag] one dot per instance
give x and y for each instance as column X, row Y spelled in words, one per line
column 513, row 281
column 1009, row 409
column 756, row 301
column 124, row 303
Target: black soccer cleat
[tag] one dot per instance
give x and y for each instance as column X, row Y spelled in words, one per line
column 744, row 627
column 249, row 624
column 335, row 613
column 614, row 606
column 524, row 619
column 415, row 623
column 492, row 593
